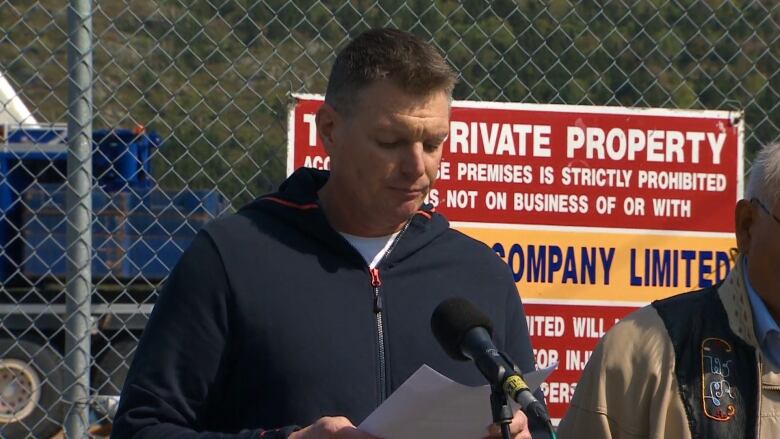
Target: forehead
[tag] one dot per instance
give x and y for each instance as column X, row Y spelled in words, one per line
column 384, row 105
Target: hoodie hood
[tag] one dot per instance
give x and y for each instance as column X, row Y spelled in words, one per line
column 297, row 203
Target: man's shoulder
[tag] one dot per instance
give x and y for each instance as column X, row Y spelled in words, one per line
column 258, row 214
column 640, row 335
column 644, row 320
column 677, row 312
column 462, row 241
column 230, row 223
column 687, row 299
column 636, row 349
column 628, row 378
column 644, row 334
column 463, row 248
column 241, row 226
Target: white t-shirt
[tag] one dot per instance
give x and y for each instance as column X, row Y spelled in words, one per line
column 372, row 249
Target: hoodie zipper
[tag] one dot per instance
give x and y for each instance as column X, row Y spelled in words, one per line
column 376, row 283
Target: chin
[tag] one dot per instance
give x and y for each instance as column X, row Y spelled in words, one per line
column 414, row 206
column 402, row 209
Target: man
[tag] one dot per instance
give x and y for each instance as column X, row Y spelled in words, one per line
column 310, row 306
column 704, row 364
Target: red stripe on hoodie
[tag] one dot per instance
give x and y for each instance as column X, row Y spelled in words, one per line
column 293, row 205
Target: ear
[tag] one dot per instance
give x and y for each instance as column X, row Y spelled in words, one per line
column 327, row 120
column 744, row 216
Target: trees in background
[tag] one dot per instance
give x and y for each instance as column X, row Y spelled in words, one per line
column 214, row 77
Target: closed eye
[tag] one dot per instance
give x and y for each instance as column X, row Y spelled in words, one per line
column 431, row 147
column 435, row 143
column 393, row 144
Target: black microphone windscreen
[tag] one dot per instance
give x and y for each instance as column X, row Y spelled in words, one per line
column 452, row 319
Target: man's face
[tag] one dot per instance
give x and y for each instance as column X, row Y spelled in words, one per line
column 758, row 237
column 385, row 152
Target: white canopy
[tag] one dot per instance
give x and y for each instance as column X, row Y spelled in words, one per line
column 12, row 109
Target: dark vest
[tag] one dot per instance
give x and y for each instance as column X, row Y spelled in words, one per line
column 717, row 371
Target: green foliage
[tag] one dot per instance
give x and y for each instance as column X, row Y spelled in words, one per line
column 214, row 78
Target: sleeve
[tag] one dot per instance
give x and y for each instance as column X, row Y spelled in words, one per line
column 586, row 417
column 518, row 347
column 628, row 389
column 177, row 361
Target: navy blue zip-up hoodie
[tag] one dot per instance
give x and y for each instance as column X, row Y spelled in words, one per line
column 271, row 320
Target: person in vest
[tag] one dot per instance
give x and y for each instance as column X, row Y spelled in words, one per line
column 704, row 364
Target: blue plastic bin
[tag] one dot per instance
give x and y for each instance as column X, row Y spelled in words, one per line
column 123, row 158
column 135, row 233
column 44, row 228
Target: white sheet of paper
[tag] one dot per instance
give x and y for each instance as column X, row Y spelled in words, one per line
column 430, row 405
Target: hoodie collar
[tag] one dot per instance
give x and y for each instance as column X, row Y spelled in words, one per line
column 297, row 202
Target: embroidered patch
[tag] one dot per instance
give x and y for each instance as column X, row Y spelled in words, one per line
column 718, row 397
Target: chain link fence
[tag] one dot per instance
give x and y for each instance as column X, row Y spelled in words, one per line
column 187, row 120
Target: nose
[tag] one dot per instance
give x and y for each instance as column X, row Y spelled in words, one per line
column 413, row 161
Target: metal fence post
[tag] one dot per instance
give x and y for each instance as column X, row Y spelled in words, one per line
column 79, row 214
column 213, row 80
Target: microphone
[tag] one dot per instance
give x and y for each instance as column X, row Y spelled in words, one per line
column 465, row 333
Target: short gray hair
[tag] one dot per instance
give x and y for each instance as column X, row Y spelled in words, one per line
column 764, row 180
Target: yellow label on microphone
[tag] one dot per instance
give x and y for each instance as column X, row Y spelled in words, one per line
column 513, row 385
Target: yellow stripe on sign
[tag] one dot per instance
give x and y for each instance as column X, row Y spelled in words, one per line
column 563, row 265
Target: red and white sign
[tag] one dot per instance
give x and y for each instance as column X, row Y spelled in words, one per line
column 597, row 210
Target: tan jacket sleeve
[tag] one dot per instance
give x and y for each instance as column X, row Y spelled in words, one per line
column 628, row 388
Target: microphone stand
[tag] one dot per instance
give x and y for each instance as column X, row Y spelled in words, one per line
column 502, row 413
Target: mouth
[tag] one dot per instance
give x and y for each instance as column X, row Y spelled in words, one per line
column 406, row 195
column 410, row 191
